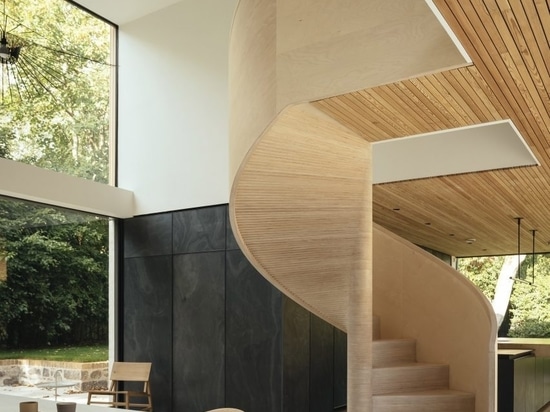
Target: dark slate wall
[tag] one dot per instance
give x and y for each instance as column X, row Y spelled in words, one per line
column 253, row 339
column 199, row 331
column 217, row 332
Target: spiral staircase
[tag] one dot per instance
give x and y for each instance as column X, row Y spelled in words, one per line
column 301, row 201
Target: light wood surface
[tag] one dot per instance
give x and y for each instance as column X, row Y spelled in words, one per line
column 252, row 77
column 225, row 410
column 509, row 79
column 539, row 346
column 419, row 297
column 121, row 373
column 326, row 47
column 400, row 383
column 394, row 351
column 427, row 401
column 301, row 200
column 305, row 171
column 514, row 353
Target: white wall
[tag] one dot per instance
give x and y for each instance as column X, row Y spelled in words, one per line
column 173, row 106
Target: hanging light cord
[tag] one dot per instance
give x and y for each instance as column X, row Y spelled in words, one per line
column 518, row 277
column 519, row 246
column 533, row 255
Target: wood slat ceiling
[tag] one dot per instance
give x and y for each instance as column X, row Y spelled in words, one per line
column 509, row 79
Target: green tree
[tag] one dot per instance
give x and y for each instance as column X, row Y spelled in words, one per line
column 55, row 115
column 483, row 272
column 57, row 285
column 56, row 112
column 529, row 309
column 530, row 302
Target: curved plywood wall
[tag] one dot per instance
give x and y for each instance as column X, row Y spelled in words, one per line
column 284, row 52
column 305, row 194
column 300, row 204
column 302, row 214
column 417, row 296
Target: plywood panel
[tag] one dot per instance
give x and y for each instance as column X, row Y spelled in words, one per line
column 301, row 211
column 326, row 48
column 252, row 76
column 301, row 201
column 507, row 42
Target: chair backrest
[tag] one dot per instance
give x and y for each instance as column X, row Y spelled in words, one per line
column 131, row 371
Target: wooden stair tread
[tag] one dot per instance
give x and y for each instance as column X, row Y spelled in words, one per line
column 412, row 365
column 430, row 393
column 402, row 341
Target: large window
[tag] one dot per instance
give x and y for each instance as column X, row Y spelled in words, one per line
column 56, row 100
column 524, row 295
column 53, row 276
column 55, row 87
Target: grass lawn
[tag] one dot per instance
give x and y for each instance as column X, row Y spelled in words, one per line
column 63, row 354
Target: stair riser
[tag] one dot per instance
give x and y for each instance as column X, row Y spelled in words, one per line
column 406, row 379
column 386, row 353
column 375, row 328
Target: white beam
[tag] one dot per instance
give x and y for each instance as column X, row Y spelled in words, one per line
column 32, row 183
column 470, row 149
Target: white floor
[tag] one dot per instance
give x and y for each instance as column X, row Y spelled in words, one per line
column 63, row 394
column 10, row 401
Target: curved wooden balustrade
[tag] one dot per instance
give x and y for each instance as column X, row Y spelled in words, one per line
column 305, row 171
column 300, row 204
column 418, row 296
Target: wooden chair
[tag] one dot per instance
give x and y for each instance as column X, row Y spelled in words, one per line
column 127, row 374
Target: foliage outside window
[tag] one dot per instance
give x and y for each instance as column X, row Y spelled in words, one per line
column 55, row 114
column 55, row 98
column 529, row 309
column 56, row 288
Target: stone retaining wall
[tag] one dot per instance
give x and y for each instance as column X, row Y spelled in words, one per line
column 87, row 375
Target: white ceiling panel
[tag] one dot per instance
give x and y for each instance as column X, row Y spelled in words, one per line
column 489, row 146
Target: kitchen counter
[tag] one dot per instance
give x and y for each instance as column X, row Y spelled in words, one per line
column 539, row 346
column 514, row 353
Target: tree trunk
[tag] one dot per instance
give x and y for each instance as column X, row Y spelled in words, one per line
column 505, row 284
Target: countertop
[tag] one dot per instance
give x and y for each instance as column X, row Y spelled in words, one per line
column 514, row 353
column 539, row 346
